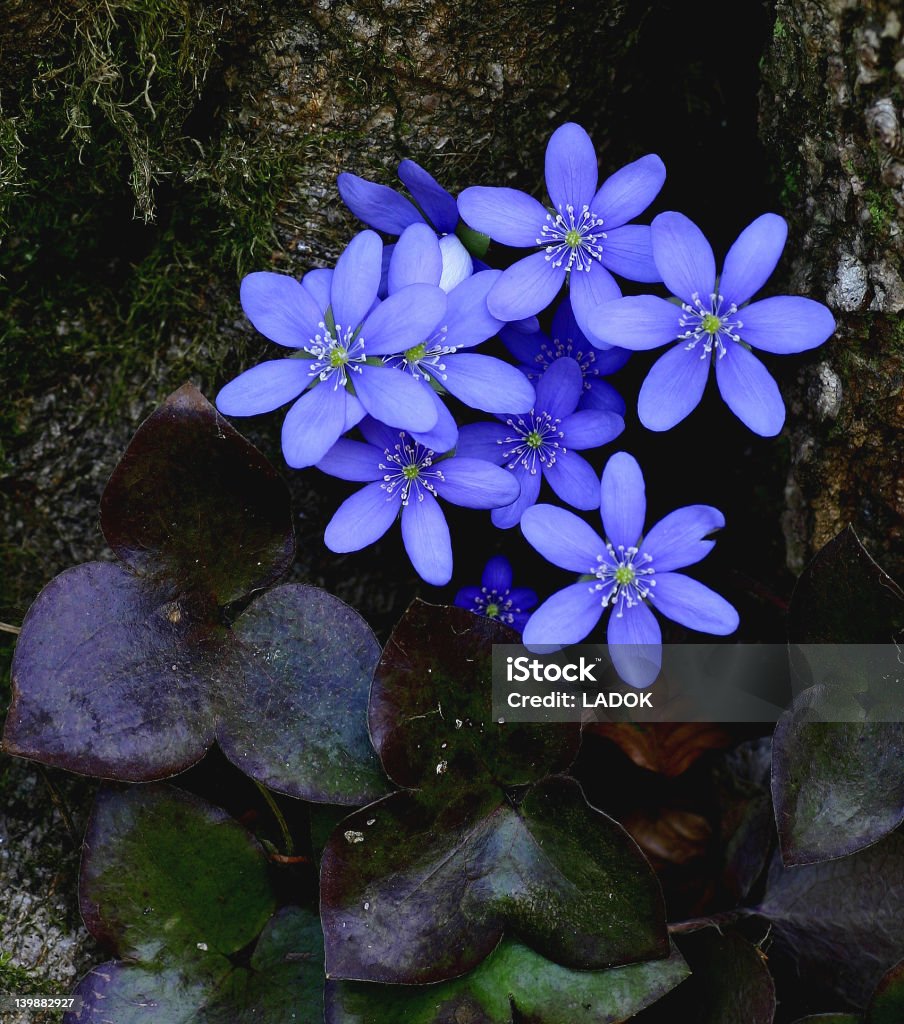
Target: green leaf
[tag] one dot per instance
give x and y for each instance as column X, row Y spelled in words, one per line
column 181, row 892
column 194, row 503
column 887, row 1003
column 431, row 707
column 164, row 871
column 512, row 984
column 418, row 889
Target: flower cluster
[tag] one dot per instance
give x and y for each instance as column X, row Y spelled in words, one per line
column 385, row 343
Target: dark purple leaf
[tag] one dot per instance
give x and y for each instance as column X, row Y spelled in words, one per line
column 193, row 503
column 418, row 889
column 842, row 921
column 431, row 706
column 111, row 677
column 887, row 1003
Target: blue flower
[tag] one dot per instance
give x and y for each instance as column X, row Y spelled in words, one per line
column 712, row 324
column 628, row 572
column 335, row 323
column 541, row 443
column 480, row 381
column 383, row 208
column 404, row 477
column 584, row 236
column 495, row 598
column 536, row 351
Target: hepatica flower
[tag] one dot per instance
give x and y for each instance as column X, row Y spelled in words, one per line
column 383, row 208
column 545, row 442
column 711, row 324
column 536, row 351
column 628, row 573
column 583, row 236
column 336, row 327
column 405, row 478
column 438, row 360
column 496, row 598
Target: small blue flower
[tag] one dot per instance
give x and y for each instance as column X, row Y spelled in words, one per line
column 496, row 598
column 629, row 572
column 542, row 443
column 583, row 237
column 480, row 381
column 404, row 477
column 536, row 351
column 381, row 207
column 335, row 323
column 712, row 324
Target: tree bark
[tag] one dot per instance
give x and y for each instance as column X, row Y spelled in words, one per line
column 833, row 82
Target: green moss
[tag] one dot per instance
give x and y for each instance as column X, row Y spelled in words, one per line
column 778, row 30
column 882, row 209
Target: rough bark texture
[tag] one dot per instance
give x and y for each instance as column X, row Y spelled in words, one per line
column 831, row 106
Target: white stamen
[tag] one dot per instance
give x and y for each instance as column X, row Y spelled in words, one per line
column 584, row 227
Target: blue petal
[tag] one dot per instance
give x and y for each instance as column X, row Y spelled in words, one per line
column 637, row 323
column 467, row 598
column 442, row 437
column 377, row 205
column 608, row 360
column 475, row 483
column 677, row 539
column 690, row 603
column 318, row 282
column 416, row 259
column 356, row 279
column 404, row 320
column 628, row 251
column 510, row 515
column 749, row 391
column 523, row 598
column 458, row 264
column 588, row 290
column 526, row 288
column 590, row 429
column 361, row 519
column 623, row 500
column 352, row 460
column 468, row 320
column 519, row 620
column 571, row 170
column 395, row 398
column 635, row 645
column 425, row 534
column 497, row 574
column 526, row 348
column 785, row 324
column 752, row 258
column 313, row 425
column 562, row 538
column 482, row 441
column 602, row 397
column 378, row 434
column 673, row 388
column 438, row 204
column 354, row 412
column 559, row 389
column 629, row 191
column 572, row 477
column 683, row 256
column 485, row 383
column 280, row 308
column 505, row 214
column 265, row 387
column 565, row 618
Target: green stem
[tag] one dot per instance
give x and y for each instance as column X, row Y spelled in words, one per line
column 280, row 818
